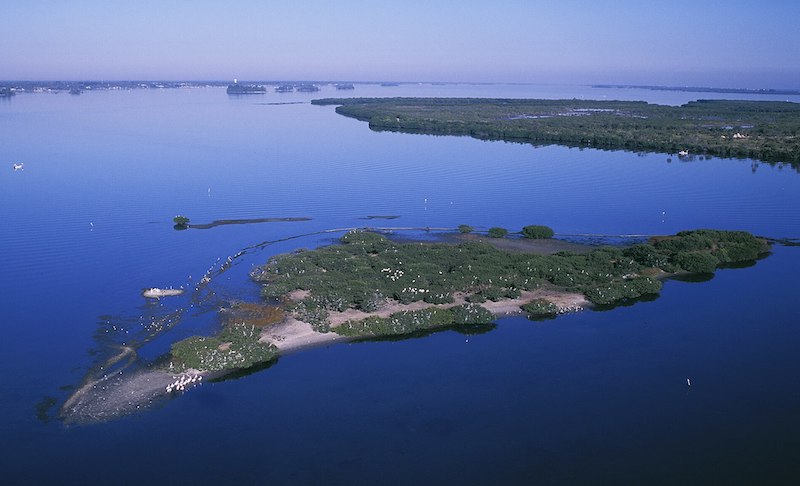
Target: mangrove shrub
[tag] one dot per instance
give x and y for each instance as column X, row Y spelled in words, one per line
column 540, row 308
column 497, row 232
column 181, row 222
column 236, row 347
column 537, row 231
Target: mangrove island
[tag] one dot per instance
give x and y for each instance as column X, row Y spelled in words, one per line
column 369, row 286
column 764, row 130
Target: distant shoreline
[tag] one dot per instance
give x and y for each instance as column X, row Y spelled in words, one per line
column 698, row 89
column 43, row 86
column 761, row 130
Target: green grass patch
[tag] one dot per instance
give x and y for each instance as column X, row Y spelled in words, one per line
column 235, row 347
column 368, row 269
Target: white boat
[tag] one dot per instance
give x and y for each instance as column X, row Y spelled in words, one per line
column 18, row 166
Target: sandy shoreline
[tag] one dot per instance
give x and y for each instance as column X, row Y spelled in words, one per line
column 292, row 334
column 107, row 397
column 119, row 393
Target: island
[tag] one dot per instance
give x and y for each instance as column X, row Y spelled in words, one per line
column 369, row 286
column 703, row 89
column 239, row 89
column 182, row 222
column 764, row 130
column 307, row 88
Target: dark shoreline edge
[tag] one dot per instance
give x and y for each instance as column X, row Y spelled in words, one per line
column 223, row 222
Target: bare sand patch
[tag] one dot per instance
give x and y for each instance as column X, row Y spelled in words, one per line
column 297, row 295
column 292, row 334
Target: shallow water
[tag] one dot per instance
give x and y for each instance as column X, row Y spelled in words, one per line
column 596, row 396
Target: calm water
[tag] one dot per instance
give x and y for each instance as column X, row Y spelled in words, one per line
column 590, row 397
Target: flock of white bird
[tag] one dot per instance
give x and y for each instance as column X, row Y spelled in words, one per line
column 183, row 381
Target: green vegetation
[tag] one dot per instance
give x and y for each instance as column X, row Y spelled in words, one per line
column 540, row 308
column 367, row 270
column 765, row 130
column 465, row 228
column 471, row 314
column 407, row 322
column 537, row 231
column 236, row 347
column 497, row 232
column 181, row 222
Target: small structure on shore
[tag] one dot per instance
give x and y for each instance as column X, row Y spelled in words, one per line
column 157, row 293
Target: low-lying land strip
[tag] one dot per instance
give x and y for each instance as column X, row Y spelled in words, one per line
column 222, row 222
column 764, row 130
column 370, row 286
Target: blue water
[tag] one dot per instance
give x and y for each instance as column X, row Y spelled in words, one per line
column 590, row 397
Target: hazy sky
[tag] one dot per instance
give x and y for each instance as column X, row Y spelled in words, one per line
column 729, row 43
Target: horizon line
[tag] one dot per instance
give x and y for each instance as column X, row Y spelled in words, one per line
column 335, row 81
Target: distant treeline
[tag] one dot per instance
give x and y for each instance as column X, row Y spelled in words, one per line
column 763, row 130
column 700, row 89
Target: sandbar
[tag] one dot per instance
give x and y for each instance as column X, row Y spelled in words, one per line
column 157, row 293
